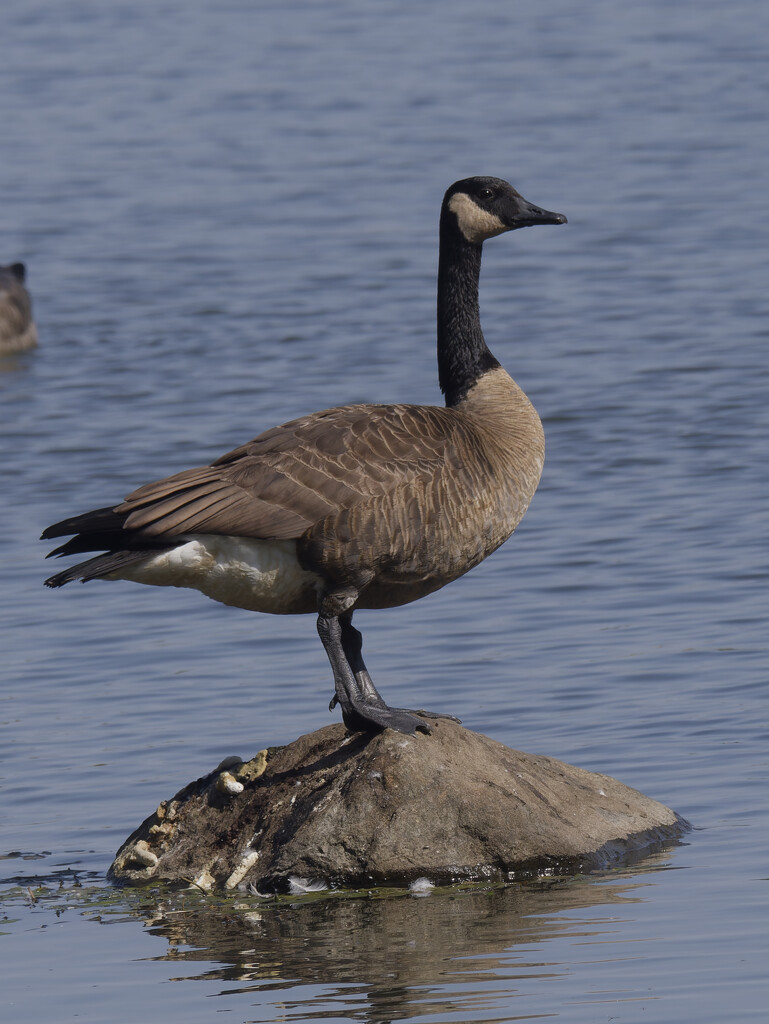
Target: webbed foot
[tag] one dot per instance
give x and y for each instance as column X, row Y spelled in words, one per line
column 364, row 714
column 363, row 708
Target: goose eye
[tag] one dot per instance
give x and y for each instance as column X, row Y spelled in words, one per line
column 486, row 193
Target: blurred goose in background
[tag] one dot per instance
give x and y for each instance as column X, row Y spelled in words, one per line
column 362, row 506
column 17, row 328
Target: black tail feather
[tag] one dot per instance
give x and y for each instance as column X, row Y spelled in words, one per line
column 113, row 540
column 98, row 567
column 100, row 530
column 100, row 520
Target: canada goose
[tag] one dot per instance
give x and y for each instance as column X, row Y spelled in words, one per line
column 364, row 506
column 17, row 328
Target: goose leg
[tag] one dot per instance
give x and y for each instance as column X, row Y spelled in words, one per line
column 352, row 645
column 362, row 711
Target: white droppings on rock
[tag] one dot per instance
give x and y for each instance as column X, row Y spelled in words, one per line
column 204, row 880
column 144, row 854
column 247, row 861
column 227, row 783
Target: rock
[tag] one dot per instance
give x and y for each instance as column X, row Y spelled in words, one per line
column 359, row 810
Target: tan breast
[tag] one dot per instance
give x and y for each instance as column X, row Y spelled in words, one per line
column 428, row 531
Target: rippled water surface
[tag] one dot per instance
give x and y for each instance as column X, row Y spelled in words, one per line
column 228, row 213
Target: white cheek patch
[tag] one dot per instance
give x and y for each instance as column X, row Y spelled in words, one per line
column 475, row 224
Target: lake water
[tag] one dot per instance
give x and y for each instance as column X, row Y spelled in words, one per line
column 229, row 215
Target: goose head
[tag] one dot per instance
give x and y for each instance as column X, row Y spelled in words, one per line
column 479, row 208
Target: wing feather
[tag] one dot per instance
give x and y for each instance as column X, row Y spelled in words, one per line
column 286, row 480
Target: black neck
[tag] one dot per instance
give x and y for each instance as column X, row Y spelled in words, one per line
column 463, row 355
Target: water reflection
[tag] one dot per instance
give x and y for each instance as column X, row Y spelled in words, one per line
column 387, row 958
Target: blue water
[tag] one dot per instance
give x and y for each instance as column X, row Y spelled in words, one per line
column 229, row 214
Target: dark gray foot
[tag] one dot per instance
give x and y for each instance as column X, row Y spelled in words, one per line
column 362, row 716
column 363, row 708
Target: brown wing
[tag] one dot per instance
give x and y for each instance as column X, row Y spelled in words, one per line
column 290, row 477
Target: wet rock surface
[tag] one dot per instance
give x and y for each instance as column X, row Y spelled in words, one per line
column 388, row 809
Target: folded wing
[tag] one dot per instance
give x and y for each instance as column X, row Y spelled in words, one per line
column 278, row 485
